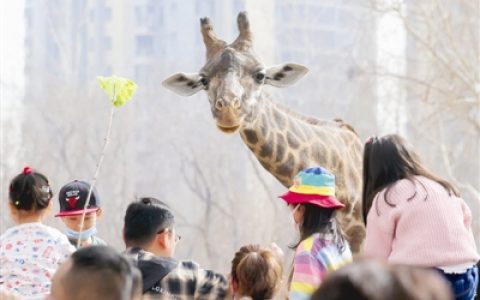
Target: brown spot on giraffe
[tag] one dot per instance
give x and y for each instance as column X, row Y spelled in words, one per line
column 251, row 136
column 280, row 147
column 286, row 168
column 265, row 150
column 282, row 140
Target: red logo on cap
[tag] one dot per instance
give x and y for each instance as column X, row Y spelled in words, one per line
column 72, row 201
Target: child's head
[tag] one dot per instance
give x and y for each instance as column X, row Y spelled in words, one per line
column 96, row 272
column 29, row 194
column 388, row 159
column 256, row 272
column 313, row 203
column 72, row 198
column 373, row 280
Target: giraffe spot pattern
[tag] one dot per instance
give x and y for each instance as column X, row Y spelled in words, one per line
column 292, row 140
column 355, row 236
column 279, row 119
column 280, row 153
column 251, row 136
column 286, row 168
column 266, row 150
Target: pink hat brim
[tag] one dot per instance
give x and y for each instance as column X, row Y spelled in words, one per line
column 322, row 201
column 75, row 212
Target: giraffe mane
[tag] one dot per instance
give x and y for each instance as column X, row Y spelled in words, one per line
column 336, row 122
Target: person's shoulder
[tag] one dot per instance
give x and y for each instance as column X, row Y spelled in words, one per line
column 189, row 265
column 307, row 245
column 54, row 232
column 98, row 241
column 400, row 191
column 12, row 231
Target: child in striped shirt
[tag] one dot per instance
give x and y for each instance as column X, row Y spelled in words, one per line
column 322, row 247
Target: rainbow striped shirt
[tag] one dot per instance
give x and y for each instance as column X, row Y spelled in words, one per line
column 314, row 258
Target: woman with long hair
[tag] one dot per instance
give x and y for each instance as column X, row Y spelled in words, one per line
column 414, row 217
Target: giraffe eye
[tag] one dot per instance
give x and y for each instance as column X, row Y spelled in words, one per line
column 204, row 81
column 259, row 77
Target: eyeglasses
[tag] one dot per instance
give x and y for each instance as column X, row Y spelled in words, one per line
column 177, row 237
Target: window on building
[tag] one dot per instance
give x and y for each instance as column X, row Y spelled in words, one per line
column 107, row 14
column 107, row 43
column 144, row 45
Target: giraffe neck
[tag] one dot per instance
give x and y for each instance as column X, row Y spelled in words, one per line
column 285, row 142
column 281, row 139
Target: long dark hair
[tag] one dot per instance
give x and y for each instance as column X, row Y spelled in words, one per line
column 387, row 160
column 321, row 220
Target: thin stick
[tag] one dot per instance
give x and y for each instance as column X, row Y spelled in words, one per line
column 99, row 164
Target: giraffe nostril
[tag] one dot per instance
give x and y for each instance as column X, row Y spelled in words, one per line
column 219, row 104
column 236, row 103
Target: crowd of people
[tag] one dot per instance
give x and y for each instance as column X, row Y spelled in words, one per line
column 419, row 243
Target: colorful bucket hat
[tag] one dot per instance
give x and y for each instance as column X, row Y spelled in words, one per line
column 313, row 185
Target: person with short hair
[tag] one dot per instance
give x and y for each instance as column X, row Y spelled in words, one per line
column 96, row 273
column 30, row 252
column 375, row 280
column 72, row 198
column 150, row 237
column 256, row 273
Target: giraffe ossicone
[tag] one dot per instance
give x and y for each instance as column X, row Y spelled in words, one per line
column 283, row 141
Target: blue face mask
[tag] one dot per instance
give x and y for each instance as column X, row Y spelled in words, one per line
column 80, row 235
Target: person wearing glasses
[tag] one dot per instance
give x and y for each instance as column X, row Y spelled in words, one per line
column 150, row 237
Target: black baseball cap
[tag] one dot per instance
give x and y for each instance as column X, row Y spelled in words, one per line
column 72, row 198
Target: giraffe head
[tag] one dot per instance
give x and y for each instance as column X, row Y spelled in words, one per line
column 233, row 77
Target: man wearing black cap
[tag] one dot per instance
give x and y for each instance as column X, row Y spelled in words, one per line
column 72, row 198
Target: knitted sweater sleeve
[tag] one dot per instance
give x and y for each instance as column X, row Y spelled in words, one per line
column 380, row 229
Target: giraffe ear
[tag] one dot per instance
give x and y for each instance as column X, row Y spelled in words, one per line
column 184, row 84
column 285, row 75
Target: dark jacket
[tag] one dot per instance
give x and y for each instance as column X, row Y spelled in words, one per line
column 171, row 279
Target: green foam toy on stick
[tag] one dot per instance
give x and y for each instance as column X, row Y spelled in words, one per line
column 118, row 89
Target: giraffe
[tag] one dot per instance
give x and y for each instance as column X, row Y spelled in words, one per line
column 283, row 141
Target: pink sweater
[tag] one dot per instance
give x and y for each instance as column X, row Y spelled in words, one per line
column 432, row 232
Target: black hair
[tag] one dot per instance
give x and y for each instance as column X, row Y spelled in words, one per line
column 100, row 272
column 30, row 190
column 322, row 220
column 387, row 160
column 144, row 219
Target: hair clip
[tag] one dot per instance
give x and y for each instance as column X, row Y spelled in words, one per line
column 45, row 189
column 370, row 140
column 27, row 170
column 17, row 203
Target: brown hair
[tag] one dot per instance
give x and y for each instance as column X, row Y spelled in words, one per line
column 372, row 280
column 257, row 271
column 387, row 160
